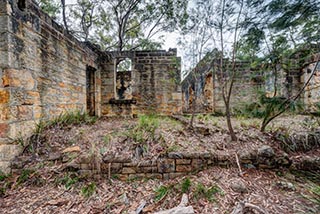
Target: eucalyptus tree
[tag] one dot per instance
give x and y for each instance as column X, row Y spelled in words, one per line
column 223, row 22
column 121, row 24
column 135, row 22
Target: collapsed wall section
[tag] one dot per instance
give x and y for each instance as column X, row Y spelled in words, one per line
column 152, row 85
column 43, row 72
column 202, row 91
column 311, row 95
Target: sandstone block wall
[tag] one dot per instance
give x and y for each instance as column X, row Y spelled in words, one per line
column 204, row 89
column 202, row 86
column 155, row 83
column 42, row 71
column 311, row 96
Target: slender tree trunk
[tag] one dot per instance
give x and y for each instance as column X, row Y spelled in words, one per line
column 63, row 3
column 229, row 123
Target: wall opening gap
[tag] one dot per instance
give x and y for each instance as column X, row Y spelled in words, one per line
column 123, row 79
column 22, row 5
column 91, row 90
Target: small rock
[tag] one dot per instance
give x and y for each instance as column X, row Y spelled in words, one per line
column 72, row 149
column 178, row 210
column 54, row 156
column 285, row 185
column 266, row 151
column 239, row 186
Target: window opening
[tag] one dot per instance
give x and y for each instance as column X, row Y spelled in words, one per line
column 22, row 4
column 123, row 79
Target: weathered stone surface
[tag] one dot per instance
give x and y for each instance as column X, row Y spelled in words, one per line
column 114, row 167
column 308, row 163
column 178, row 210
column 129, row 170
column 238, row 186
column 175, row 155
column 55, row 156
column 198, row 164
column 5, row 167
column 153, row 175
column 183, row 168
column 266, row 151
column 9, row 152
column 285, row 186
column 166, row 165
column 137, row 176
column 183, row 161
column 172, row 175
column 247, row 155
column 4, row 96
column 147, row 169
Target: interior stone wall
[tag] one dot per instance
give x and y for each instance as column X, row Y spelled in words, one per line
column 155, row 84
column 311, row 95
column 42, row 71
column 202, row 87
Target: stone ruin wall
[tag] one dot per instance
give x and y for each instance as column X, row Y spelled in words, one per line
column 42, row 71
column 207, row 94
column 154, row 86
column 311, row 96
column 248, row 83
column 45, row 71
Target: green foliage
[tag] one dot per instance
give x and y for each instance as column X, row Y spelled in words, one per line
column 185, row 186
column 209, row 193
column 68, row 181
column 52, row 8
column 65, row 119
column 4, row 183
column 72, row 118
column 88, row 190
column 316, row 191
column 24, row 176
column 161, row 193
column 145, row 130
column 3, row 176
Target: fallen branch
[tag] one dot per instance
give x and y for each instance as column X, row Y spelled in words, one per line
column 238, row 163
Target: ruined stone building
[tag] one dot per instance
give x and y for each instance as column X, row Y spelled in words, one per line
column 201, row 85
column 45, row 71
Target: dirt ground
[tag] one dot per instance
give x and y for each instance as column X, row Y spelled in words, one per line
column 45, row 189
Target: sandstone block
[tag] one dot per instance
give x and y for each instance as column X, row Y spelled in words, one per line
column 147, row 169
column 153, row 175
column 4, row 96
column 9, row 152
column 4, row 128
column 129, row 170
column 114, row 167
column 5, row 167
column 166, row 165
column 183, row 161
column 266, row 151
column 167, row 176
column 137, row 176
column 183, row 168
column 197, row 164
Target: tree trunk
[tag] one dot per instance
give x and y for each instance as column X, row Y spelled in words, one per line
column 229, row 123
column 63, row 4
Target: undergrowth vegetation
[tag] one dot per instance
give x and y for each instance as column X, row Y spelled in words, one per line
column 196, row 190
column 64, row 120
